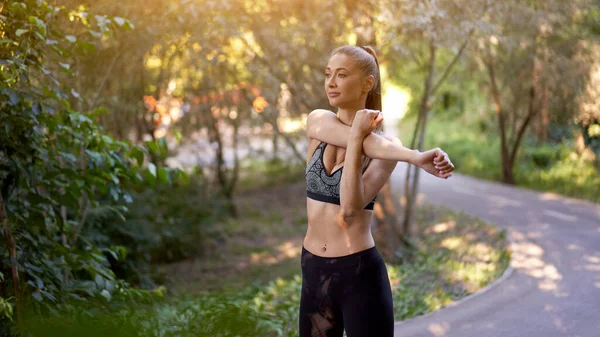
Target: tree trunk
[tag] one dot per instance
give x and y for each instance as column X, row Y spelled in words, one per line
column 507, row 175
column 386, row 217
column 234, row 173
column 410, row 186
column 140, row 121
column 276, row 132
column 410, row 229
column 531, row 112
column 543, row 109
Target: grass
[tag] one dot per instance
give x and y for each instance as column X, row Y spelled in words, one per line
column 255, row 174
column 549, row 168
column 457, row 255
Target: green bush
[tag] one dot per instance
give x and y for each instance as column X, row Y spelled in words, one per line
column 164, row 223
column 267, row 173
column 543, row 156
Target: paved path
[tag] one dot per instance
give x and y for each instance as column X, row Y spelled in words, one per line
column 554, row 289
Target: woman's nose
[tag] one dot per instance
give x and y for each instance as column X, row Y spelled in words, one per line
column 331, row 82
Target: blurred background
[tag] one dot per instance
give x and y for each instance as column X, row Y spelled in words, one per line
column 152, row 152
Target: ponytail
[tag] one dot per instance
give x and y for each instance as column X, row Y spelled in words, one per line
column 374, row 96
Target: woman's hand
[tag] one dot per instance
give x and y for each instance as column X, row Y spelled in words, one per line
column 435, row 162
column 366, row 121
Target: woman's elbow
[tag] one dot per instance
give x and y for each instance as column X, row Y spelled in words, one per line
column 347, row 213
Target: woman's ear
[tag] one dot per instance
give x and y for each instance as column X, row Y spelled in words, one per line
column 369, row 83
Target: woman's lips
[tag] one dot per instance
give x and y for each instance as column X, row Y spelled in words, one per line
column 333, row 94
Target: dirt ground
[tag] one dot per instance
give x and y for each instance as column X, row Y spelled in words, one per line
column 263, row 243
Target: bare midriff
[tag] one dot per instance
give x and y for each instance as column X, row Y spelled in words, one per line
column 329, row 236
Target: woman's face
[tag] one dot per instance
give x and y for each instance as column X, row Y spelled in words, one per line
column 345, row 85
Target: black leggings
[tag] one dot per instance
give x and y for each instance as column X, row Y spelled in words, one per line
column 350, row 292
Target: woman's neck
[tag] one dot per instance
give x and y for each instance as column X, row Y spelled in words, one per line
column 346, row 115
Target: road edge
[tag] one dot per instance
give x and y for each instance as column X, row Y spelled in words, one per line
column 507, row 273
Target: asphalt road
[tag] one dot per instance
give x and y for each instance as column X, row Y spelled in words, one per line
column 554, row 289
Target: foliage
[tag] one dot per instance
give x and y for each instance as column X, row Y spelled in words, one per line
column 553, row 167
column 261, row 173
column 63, row 181
column 166, row 223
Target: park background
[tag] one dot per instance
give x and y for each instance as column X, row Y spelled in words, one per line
column 152, row 152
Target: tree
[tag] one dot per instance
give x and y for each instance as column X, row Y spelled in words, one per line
column 526, row 53
column 432, row 36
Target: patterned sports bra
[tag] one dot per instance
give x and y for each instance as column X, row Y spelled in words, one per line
column 322, row 186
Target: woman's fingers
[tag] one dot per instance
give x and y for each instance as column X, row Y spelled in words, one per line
column 446, row 167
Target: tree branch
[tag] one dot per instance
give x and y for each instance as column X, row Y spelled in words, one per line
column 104, row 80
column 451, row 65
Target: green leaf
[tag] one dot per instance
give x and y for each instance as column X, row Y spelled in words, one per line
column 107, row 139
column 119, row 21
column 38, row 296
column 105, row 294
column 115, row 194
column 152, row 169
column 99, row 281
column 21, row 32
column 163, row 175
column 162, row 142
column 41, row 25
column 109, row 286
column 122, row 253
column 138, row 155
column 96, row 34
column 114, row 178
column 36, row 108
column 14, row 97
column 153, row 146
column 41, row 37
column 113, row 254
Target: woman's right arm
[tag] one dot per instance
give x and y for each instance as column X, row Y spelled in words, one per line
column 325, row 126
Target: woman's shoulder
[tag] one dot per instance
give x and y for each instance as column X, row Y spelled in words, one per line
column 318, row 114
column 317, row 111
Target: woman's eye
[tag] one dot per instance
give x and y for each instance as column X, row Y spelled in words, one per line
column 327, row 75
column 342, row 75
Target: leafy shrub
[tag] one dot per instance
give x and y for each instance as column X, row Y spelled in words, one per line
column 543, row 156
column 60, row 174
column 165, row 223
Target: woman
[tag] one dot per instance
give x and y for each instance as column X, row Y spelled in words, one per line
column 345, row 283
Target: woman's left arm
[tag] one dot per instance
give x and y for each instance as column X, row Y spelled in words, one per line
column 354, row 195
column 352, row 188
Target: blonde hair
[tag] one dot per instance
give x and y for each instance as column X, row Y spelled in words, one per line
column 367, row 61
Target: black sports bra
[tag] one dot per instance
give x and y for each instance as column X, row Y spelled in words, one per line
column 322, row 186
